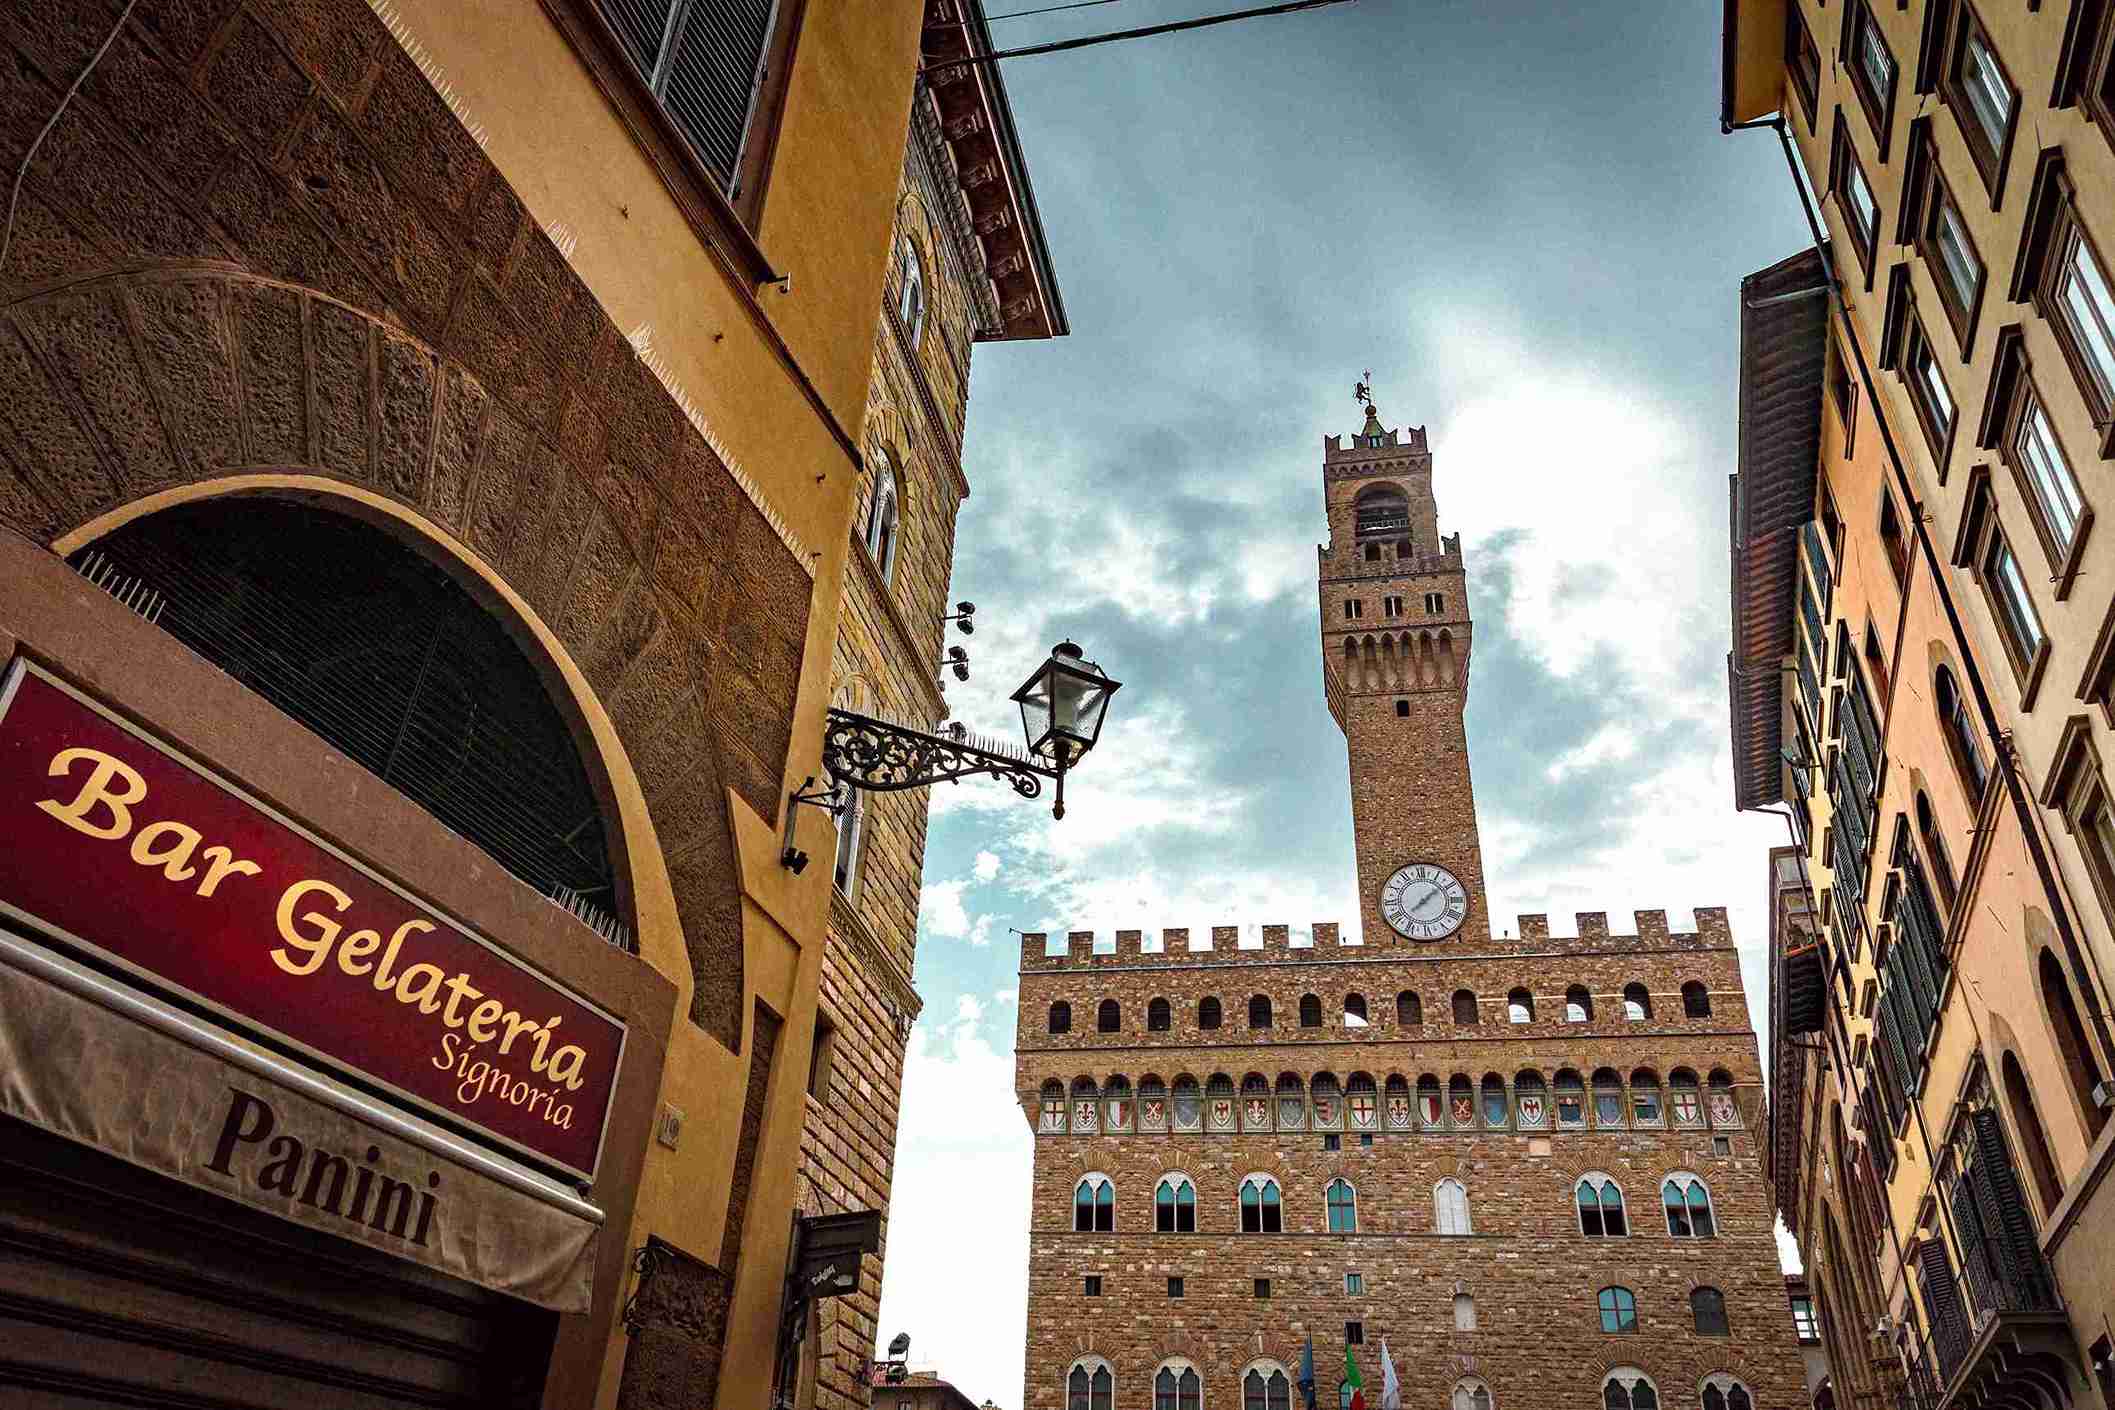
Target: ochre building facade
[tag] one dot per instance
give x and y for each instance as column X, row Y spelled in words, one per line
column 1527, row 1162
column 435, row 439
column 1920, row 680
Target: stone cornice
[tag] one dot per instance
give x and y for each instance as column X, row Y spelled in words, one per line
column 876, row 958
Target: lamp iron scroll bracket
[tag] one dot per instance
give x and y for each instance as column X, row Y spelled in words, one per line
column 882, row 756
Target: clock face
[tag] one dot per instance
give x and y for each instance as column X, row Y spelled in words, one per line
column 1424, row 902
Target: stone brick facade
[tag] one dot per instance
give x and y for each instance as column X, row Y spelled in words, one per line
column 1395, row 1066
column 889, row 643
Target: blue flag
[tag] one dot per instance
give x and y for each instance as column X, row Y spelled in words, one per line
column 1307, row 1373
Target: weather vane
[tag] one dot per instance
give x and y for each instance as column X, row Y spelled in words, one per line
column 1362, row 390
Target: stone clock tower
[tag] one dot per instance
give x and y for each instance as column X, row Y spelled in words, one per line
column 1525, row 1161
column 1395, row 666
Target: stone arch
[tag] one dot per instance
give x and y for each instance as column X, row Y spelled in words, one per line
column 677, row 624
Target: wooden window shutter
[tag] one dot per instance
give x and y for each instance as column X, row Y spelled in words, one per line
column 1942, row 1298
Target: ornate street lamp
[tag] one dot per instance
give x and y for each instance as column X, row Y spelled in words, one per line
column 1062, row 707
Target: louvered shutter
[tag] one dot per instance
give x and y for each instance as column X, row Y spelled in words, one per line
column 1973, row 1246
column 712, row 77
column 1892, row 1025
column 642, row 25
column 704, row 60
column 2004, row 1207
column 1942, row 1299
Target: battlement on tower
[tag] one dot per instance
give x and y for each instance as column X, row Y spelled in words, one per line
column 1044, row 952
column 1409, row 438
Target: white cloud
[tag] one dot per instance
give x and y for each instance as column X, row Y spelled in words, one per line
column 986, row 867
column 940, row 910
column 958, row 1216
column 1611, row 744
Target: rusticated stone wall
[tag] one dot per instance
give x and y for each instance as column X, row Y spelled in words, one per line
column 258, row 241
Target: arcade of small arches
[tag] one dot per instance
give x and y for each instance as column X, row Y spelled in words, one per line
column 1465, row 1009
column 1259, row 1204
column 1399, row 660
column 1177, row 1383
column 1525, row 1102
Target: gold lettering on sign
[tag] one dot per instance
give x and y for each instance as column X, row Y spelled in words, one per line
column 167, row 846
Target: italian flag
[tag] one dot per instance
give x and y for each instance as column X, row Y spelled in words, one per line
column 1351, row 1378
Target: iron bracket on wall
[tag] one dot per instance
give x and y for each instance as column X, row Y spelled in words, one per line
column 882, row 756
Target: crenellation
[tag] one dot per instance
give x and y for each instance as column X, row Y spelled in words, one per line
column 1277, row 943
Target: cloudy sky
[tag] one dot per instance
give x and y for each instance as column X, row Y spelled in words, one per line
column 1522, row 216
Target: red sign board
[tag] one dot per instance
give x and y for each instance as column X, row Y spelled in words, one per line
column 120, row 845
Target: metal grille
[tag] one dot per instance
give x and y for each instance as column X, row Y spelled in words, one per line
column 384, row 656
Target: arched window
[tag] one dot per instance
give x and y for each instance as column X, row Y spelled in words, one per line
column 1383, row 513
column 1637, row 1002
column 1343, row 1205
column 1628, row 1388
column 2033, row 1140
column 1608, row 1098
column 1159, row 1017
column 1354, row 1010
column 2071, row 1041
column 1578, row 1005
column 1175, row 1206
column 1409, row 1010
column 1520, row 1007
column 1109, row 1017
column 1464, row 1313
column 372, row 646
column 1696, row 1000
column 1721, row 1392
column 1262, row 1210
column 1450, row 1207
column 1090, row 1385
column 1619, row 1310
column 1469, row 1394
column 910, row 274
column 1464, row 1009
column 1061, row 1017
column 1960, row 733
column 1645, row 1108
column 1208, row 1014
column 1709, row 1307
column 1093, row 1204
column 1176, row 1387
column 1688, row 1206
column 882, row 516
column 1310, row 1011
column 1571, row 1100
column 1259, row 1011
column 851, row 830
column 1600, row 1202
column 1935, row 849
column 1265, row 1386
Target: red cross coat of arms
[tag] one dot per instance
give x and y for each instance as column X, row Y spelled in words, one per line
column 1362, row 1111
column 1686, row 1109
